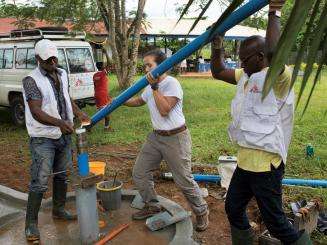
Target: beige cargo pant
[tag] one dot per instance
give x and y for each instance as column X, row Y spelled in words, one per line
column 176, row 151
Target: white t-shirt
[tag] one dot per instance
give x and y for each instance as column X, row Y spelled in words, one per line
column 175, row 119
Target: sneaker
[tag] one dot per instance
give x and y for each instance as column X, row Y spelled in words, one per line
column 202, row 222
column 146, row 212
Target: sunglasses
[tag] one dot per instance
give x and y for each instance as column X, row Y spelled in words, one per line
column 51, row 60
column 247, row 58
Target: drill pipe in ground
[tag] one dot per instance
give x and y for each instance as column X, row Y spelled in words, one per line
column 86, row 200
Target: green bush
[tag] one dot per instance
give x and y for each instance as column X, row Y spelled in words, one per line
column 139, row 67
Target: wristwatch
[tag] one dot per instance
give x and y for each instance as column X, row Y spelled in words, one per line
column 277, row 13
column 155, row 86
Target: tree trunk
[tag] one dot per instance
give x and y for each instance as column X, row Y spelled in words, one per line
column 123, row 41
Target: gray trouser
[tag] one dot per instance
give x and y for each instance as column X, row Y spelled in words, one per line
column 176, row 151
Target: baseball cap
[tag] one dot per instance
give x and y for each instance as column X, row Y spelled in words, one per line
column 46, row 49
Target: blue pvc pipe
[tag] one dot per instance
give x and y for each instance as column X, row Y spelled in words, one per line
column 300, row 182
column 236, row 17
column 206, row 178
column 306, row 182
column 83, row 164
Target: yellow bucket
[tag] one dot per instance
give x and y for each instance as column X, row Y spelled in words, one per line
column 97, row 167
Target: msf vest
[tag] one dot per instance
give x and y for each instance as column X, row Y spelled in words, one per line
column 265, row 125
column 49, row 106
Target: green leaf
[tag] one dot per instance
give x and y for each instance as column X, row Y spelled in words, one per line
column 188, row 5
column 200, row 16
column 293, row 26
column 314, row 48
column 304, row 43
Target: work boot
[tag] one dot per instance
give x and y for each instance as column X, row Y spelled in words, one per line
column 33, row 206
column 202, row 221
column 242, row 237
column 146, row 212
column 59, row 199
column 303, row 240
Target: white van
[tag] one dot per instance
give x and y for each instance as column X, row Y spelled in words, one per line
column 17, row 59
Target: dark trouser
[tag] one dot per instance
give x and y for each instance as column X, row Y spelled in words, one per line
column 266, row 187
column 106, row 121
column 106, row 118
column 48, row 156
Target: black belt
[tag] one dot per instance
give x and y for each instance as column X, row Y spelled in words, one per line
column 171, row 132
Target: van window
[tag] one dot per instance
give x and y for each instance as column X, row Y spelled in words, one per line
column 79, row 60
column 20, row 62
column 8, row 58
column 1, row 58
column 62, row 60
column 25, row 58
column 31, row 60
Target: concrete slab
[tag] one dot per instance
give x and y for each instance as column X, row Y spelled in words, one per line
column 8, row 212
column 60, row 232
column 137, row 202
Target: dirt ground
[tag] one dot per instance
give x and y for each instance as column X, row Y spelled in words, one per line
column 14, row 173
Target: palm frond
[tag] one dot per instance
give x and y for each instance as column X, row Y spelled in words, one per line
column 293, row 26
column 314, row 48
column 188, row 5
column 304, row 43
column 200, row 16
column 234, row 5
column 315, row 81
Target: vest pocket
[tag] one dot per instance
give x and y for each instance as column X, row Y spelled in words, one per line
column 268, row 109
column 260, row 126
column 259, row 116
column 259, row 123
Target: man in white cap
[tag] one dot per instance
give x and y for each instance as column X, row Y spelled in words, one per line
column 49, row 113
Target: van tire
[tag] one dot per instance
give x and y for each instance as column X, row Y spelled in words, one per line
column 18, row 110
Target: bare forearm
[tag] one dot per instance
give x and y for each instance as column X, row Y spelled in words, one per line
column 134, row 102
column 217, row 62
column 272, row 35
column 162, row 103
column 44, row 118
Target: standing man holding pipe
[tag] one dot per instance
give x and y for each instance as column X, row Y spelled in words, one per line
column 170, row 140
column 262, row 130
column 49, row 113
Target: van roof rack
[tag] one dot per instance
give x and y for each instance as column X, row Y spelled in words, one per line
column 49, row 32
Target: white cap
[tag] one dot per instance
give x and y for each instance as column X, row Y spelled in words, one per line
column 46, row 49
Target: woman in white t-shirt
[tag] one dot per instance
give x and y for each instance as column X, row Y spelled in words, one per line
column 170, row 140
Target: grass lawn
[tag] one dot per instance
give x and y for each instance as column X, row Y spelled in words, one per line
column 207, row 111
